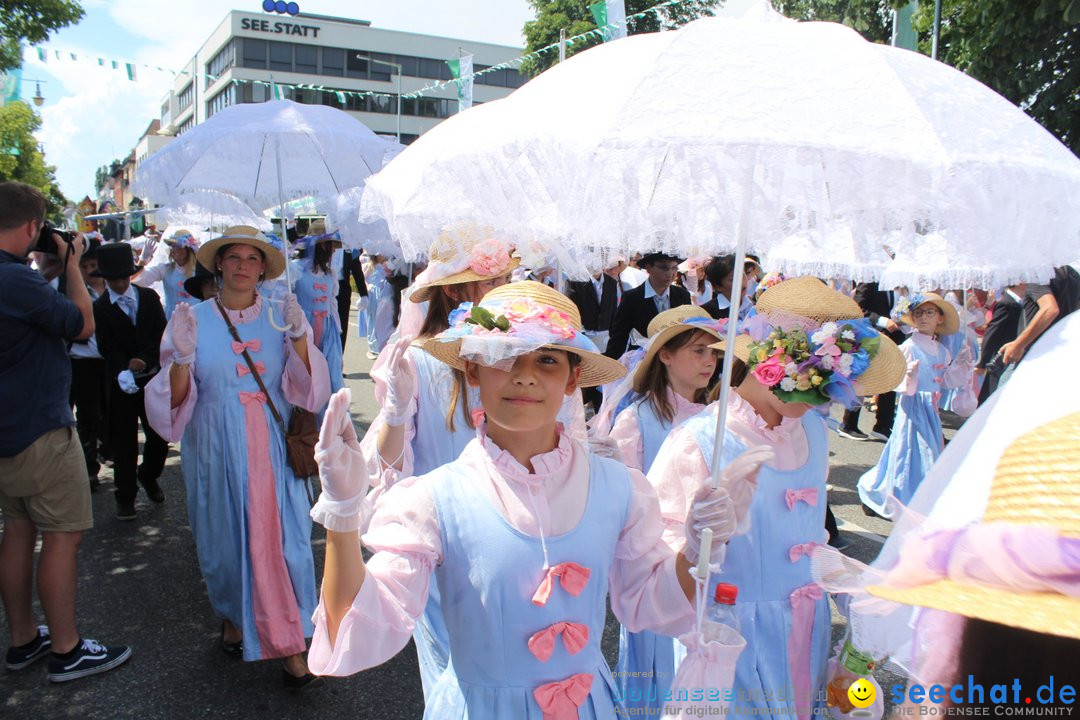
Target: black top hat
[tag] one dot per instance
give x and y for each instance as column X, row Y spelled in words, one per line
column 650, row 258
column 193, row 285
column 115, row 261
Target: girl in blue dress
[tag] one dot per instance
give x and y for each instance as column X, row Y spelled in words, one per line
column 173, row 273
column 315, row 285
column 808, row 346
column 248, row 511
column 526, row 532
column 916, row 440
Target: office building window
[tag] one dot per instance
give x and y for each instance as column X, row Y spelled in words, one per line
column 222, row 100
column 221, row 62
column 255, row 53
column 186, row 125
column 281, row 56
column 165, row 113
column 307, row 59
column 356, row 64
column 184, row 99
column 333, row 61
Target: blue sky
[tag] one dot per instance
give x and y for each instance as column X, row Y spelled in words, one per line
column 93, row 115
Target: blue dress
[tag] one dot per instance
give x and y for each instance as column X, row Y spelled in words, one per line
column 380, row 309
column 492, row 616
column 317, row 295
column 783, row 613
column 916, row 440
column 954, row 343
column 231, row 446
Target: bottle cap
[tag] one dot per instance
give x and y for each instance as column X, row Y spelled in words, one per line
column 726, row 594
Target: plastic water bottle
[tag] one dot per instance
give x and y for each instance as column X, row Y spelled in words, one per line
column 721, row 623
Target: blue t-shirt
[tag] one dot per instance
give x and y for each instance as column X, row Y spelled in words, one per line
column 35, row 374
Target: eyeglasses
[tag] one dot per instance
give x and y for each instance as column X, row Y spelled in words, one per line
column 666, row 268
column 923, row 312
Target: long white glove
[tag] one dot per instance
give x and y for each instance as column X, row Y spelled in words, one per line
column 342, row 471
column 185, row 333
column 725, row 509
column 148, row 249
column 294, row 317
column 400, row 384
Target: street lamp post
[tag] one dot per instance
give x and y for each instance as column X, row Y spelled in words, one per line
column 398, row 69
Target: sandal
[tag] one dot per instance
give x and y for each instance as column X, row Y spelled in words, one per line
column 236, row 649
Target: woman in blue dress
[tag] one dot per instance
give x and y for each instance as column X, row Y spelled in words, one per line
column 315, row 285
column 916, row 440
column 172, row 274
column 248, row 511
column 526, row 532
column 808, row 346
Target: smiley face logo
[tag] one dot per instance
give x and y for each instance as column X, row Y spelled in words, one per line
column 861, row 693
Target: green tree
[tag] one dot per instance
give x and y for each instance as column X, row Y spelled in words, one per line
column 21, row 158
column 31, row 21
column 575, row 17
column 870, row 18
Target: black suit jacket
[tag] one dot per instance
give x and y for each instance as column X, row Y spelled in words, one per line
column 1004, row 326
column 595, row 314
column 119, row 341
column 877, row 304
column 635, row 313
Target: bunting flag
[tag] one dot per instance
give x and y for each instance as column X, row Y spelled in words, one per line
column 10, row 86
column 610, row 16
column 130, row 71
column 461, row 68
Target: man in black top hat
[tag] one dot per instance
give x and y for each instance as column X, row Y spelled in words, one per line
column 646, row 301
column 130, row 322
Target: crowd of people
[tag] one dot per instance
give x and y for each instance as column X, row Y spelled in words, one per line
column 543, row 448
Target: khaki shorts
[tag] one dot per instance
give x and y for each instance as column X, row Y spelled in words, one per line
column 47, row 483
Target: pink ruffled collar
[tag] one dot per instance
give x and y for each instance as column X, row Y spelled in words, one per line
column 744, row 413
column 926, row 342
column 248, row 314
column 546, row 464
column 683, row 407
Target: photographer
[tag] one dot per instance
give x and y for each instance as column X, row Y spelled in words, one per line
column 43, row 480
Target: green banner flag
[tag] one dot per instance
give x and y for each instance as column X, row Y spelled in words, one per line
column 130, row 71
column 10, row 85
column 461, row 69
column 904, row 34
column 610, row 17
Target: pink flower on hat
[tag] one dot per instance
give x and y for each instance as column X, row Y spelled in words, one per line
column 489, row 258
column 771, row 371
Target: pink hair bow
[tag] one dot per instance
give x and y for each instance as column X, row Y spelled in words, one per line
column 252, row 345
column 242, row 370
column 807, row 495
column 250, row 397
column 560, row 700
column 574, row 637
column 574, row 577
column 800, row 551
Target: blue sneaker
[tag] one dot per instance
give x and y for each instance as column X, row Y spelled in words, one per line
column 26, row 655
column 88, row 658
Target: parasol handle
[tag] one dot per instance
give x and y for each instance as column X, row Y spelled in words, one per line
column 706, row 551
column 273, row 321
column 284, row 232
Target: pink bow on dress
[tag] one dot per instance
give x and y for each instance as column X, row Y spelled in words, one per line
column 319, row 286
column 560, row 700
column 242, row 370
column 252, row 345
column 574, row 577
column 250, row 397
column 574, row 637
column 807, row 495
column 801, row 550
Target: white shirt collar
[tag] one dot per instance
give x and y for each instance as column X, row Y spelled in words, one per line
column 130, row 292
column 650, row 291
column 1014, row 296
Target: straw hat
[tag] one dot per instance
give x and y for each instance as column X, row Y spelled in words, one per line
column 461, row 257
column 596, row 369
column 951, row 323
column 807, row 298
column 667, row 325
column 243, row 235
column 182, row 238
column 1035, row 486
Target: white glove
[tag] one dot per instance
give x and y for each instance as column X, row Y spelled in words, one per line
column 361, row 304
column 725, row 509
column 148, row 248
column 342, row 471
column 126, row 381
column 605, row 447
column 294, row 317
column 185, row 332
column 400, row 384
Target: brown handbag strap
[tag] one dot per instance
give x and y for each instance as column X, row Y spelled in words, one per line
column 250, row 364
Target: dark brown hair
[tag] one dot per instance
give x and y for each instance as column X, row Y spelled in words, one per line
column 225, row 248
column 20, row 203
column 657, row 382
column 738, row 374
column 324, row 251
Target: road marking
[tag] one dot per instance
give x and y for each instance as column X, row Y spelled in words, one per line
column 848, row 526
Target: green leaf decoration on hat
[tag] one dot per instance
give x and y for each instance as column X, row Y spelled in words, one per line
column 483, row 317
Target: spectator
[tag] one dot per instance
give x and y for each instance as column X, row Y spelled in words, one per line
column 719, row 272
column 1005, row 322
column 43, row 481
column 88, row 386
column 641, row 304
column 596, row 301
column 1044, row 305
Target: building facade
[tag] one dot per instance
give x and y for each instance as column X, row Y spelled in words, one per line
column 249, row 50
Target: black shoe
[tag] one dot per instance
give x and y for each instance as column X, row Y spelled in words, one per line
column 870, row 512
column 154, row 491
column 26, row 655
column 298, row 684
column 236, row 649
column 88, row 658
column 840, row 542
column 852, row 434
column 125, row 511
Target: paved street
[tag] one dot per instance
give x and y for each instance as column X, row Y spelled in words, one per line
column 140, row 585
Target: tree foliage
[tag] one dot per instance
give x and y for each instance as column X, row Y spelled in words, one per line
column 575, row 17
column 870, row 18
column 31, row 21
column 20, row 156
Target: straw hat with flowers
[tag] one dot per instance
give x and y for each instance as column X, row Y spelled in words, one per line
column 182, row 238
column 951, row 323
column 462, row 257
column 243, row 235
column 516, row 319
column 1020, row 566
column 668, row 324
column 811, row 344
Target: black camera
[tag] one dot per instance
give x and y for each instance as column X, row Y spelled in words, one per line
column 47, row 244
